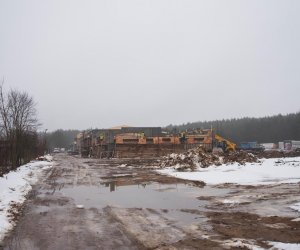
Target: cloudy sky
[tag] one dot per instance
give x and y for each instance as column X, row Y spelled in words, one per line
column 101, row 63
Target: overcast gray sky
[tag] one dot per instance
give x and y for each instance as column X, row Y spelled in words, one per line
column 151, row 62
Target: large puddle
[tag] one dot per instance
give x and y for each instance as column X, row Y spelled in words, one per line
column 153, row 195
column 169, row 199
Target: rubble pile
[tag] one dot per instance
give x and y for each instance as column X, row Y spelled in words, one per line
column 240, row 157
column 199, row 157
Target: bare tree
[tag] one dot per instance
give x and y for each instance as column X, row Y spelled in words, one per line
column 18, row 123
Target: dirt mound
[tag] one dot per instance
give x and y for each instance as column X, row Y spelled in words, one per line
column 278, row 154
column 240, row 157
column 199, row 157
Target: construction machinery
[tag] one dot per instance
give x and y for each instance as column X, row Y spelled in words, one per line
column 223, row 143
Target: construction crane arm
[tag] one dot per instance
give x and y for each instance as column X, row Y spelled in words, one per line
column 229, row 145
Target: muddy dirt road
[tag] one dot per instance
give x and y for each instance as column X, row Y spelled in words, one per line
column 124, row 204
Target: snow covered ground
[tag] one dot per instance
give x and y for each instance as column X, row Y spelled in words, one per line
column 250, row 244
column 268, row 171
column 284, row 246
column 296, row 206
column 14, row 186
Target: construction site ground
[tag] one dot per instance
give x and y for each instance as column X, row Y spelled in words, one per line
column 125, row 204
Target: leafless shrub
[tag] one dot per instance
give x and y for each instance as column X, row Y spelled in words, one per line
column 18, row 126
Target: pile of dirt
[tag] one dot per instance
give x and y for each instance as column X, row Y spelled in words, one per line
column 277, row 154
column 240, row 157
column 199, row 157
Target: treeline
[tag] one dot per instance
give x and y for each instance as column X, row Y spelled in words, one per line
column 266, row 129
column 19, row 140
column 60, row 138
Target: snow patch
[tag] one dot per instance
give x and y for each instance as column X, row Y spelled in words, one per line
column 296, row 206
column 284, row 246
column 45, row 158
column 241, row 243
column 268, row 171
column 227, row 201
column 14, row 186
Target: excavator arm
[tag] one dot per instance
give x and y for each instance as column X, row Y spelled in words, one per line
column 230, row 146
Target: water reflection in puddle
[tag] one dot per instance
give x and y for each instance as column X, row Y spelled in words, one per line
column 153, row 195
column 168, row 199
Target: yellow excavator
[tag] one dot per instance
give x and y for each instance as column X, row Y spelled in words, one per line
column 226, row 145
